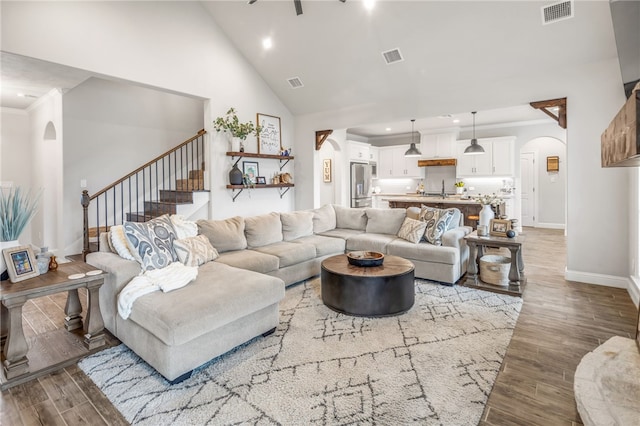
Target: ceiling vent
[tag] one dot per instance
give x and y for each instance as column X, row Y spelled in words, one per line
column 557, row 12
column 392, row 56
column 295, row 82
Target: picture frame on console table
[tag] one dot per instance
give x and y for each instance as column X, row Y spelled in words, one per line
column 21, row 263
column 270, row 136
column 499, row 227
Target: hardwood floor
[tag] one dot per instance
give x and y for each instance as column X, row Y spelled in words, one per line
column 560, row 322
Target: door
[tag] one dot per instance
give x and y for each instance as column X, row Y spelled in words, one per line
column 528, row 182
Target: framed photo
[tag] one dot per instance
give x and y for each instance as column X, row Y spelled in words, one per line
column 499, row 227
column 553, row 164
column 21, row 263
column 260, row 180
column 326, row 170
column 269, row 138
column 250, row 168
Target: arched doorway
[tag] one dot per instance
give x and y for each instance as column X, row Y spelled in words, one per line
column 543, row 197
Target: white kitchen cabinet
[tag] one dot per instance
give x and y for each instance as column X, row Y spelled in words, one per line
column 358, row 151
column 497, row 159
column 374, row 154
column 438, row 145
column 393, row 163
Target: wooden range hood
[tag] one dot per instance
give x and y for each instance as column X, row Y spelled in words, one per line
column 620, row 142
column 437, row 162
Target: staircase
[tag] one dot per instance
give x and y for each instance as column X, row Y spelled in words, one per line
column 172, row 183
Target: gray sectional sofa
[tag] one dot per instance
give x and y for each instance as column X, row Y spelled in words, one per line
column 235, row 297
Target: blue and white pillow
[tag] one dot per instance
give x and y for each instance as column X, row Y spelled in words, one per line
column 151, row 243
column 437, row 221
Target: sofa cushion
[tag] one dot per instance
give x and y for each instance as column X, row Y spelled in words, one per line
column 385, row 221
column 457, row 220
column 251, row 260
column 224, row 235
column 437, row 223
column 370, row 242
column 424, row 252
column 263, row 229
column 296, row 224
column 151, row 243
column 221, row 294
column 341, row 233
column 289, row 253
column 412, row 230
column 195, row 251
column 349, row 218
column 324, row 219
column 324, row 245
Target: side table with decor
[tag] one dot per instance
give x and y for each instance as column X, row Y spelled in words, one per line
column 78, row 340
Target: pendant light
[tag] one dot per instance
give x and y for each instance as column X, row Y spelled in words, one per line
column 413, row 151
column 474, row 148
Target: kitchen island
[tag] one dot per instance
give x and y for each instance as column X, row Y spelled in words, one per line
column 469, row 207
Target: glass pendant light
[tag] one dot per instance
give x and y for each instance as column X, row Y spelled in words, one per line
column 413, row 151
column 474, row 148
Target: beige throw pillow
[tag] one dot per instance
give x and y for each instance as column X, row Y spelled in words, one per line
column 412, row 230
column 118, row 242
column 195, row 251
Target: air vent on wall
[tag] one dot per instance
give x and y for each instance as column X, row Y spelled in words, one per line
column 295, row 82
column 557, row 12
column 392, row 56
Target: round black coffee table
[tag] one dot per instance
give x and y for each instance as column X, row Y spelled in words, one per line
column 368, row 291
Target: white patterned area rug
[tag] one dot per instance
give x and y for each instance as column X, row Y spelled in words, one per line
column 435, row 364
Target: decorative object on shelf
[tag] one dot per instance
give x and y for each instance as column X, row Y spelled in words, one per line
column 553, row 164
column 231, row 124
column 260, row 180
column 459, row 187
column 250, row 170
column 365, row 258
column 486, row 215
column 43, row 264
column 17, row 208
column 269, row 136
column 21, row 263
column 326, row 170
column 499, row 227
column 248, row 182
column 511, row 233
column 413, row 151
column 474, row 148
column 53, row 264
column 285, row 178
column 235, row 175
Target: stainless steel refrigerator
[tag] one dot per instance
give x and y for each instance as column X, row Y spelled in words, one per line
column 360, row 185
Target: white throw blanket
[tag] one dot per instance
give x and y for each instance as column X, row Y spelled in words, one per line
column 172, row 277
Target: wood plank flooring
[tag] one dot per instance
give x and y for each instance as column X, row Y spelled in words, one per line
column 560, row 322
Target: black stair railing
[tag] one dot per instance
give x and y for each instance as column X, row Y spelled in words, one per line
column 137, row 196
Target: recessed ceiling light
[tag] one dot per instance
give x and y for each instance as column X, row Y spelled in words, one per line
column 267, row 43
column 388, row 129
column 21, row 95
column 455, row 120
column 369, row 4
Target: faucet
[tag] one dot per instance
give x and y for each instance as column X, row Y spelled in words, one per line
column 443, row 194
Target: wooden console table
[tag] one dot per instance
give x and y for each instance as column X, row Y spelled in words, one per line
column 477, row 244
column 12, row 339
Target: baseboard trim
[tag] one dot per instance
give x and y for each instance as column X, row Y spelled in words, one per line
column 550, row 225
column 630, row 284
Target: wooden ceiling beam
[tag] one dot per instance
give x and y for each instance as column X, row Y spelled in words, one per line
column 321, row 136
column 560, row 103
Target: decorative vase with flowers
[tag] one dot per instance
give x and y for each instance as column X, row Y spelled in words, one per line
column 17, row 208
column 236, row 130
column 487, row 201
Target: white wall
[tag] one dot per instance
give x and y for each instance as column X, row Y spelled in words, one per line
column 170, row 45
column 122, row 127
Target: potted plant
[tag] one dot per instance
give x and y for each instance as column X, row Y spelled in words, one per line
column 238, row 131
column 17, row 208
column 459, row 187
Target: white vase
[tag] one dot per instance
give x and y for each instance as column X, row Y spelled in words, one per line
column 235, row 144
column 486, row 214
column 6, row 245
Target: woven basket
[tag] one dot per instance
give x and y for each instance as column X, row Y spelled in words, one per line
column 495, row 269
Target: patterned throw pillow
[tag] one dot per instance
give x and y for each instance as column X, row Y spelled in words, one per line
column 412, row 230
column 437, row 221
column 151, row 243
column 195, row 251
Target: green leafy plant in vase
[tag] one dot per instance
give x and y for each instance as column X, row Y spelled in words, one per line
column 231, row 124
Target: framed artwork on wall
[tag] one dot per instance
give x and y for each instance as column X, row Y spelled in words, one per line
column 553, row 164
column 251, row 170
column 269, row 138
column 326, row 170
column 21, row 263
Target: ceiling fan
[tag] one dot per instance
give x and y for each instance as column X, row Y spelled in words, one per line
column 296, row 3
